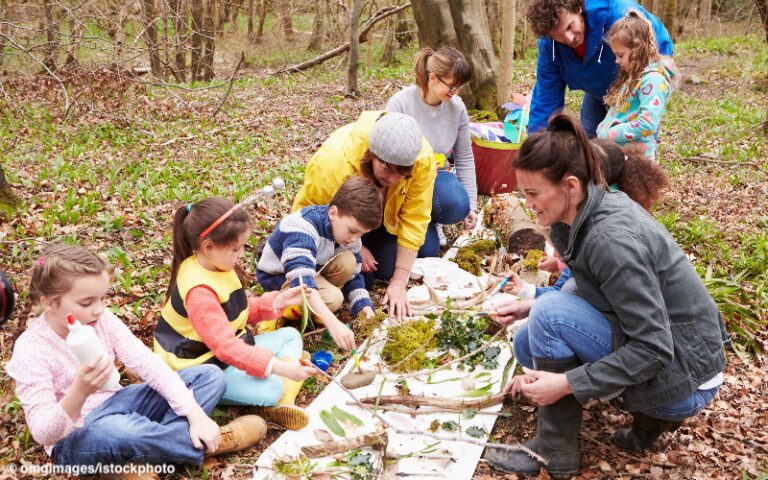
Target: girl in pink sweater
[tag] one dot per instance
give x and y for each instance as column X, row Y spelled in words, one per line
column 207, row 311
column 77, row 421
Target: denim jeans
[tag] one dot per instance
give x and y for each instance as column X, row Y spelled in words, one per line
column 593, row 111
column 562, row 326
column 137, row 425
column 244, row 389
column 450, row 204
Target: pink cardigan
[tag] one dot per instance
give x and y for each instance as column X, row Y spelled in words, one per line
column 44, row 368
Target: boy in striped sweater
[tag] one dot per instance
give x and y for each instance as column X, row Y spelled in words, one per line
column 319, row 246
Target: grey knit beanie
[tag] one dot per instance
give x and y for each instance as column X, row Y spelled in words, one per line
column 396, row 139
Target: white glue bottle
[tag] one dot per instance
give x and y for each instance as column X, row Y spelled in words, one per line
column 86, row 346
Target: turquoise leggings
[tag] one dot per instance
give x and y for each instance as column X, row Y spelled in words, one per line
column 244, row 389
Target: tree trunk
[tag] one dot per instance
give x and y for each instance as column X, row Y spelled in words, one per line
column 197, row 39
column 260, row 33
column 507, row 53
column 234, row 12
column 150, row 35
column 210, row 19
column 5, row 30
column 51, row 34
column 250, row 19
column 762, row 7
column 176, row 11
column 318, row 25
column 354, row 48
column 283, row 11
column 670, row 18
column 388, row 54
column 495, row 25
column 462, row 24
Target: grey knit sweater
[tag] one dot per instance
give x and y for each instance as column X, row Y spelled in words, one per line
column 446, row 128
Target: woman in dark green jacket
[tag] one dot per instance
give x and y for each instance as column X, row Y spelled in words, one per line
column 641, row 324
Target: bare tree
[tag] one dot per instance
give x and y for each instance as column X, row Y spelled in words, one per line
column 263, row 16
column 51, row 28
column 354, row 48
column 318, row 25
column 507, row 53
column 670, row 17
column 150, row 35
column 762, row 7
column 464, row 25
column 283, row 11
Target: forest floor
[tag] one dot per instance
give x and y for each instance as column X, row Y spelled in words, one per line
column 109, row 172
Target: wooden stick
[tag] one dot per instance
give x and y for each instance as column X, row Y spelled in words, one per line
column 377, row 440
column 439, row 402
column 229, row 88
column 430, row 411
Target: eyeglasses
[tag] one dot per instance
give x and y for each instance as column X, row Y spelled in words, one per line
column 451, row 88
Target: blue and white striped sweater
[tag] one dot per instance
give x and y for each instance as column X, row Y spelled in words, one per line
column 301, row 245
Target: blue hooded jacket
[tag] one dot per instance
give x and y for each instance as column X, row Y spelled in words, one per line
column 558, row 66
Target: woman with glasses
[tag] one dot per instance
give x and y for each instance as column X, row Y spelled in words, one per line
column 434, row 103
column 389, row 149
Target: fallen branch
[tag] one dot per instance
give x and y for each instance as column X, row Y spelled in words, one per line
column 430, row 411
column 231, row 81
column 439, row 402
column 376, row 18
column 724, row 162
column 377, row 440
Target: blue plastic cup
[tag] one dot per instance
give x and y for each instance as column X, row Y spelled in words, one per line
column 322, row 359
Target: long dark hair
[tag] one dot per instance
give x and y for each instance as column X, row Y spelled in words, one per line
column 559, row 150
column 191, row 220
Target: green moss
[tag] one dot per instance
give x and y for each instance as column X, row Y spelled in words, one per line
column 483, row 116
column 364, row 326
column 403, row 340
column 470, row 256
column 532, row 258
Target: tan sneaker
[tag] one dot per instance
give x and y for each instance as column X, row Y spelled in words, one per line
column 241, row 433
column 287, row 416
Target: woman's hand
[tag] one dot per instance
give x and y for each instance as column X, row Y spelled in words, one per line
column 91, row 377
column 293, row 370
column 369, row 263
column 509, row 311
column 547, row 387
column 202, row 430
column 292, row 296
column 513, row 389
column 548, row 263
column 397, row 299
column 341, row 334
column 514, row 285
column 471, row 221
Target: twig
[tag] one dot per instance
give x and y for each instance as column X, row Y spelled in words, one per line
column 724, row 162
column 447, row 438
column 407, row 357
column 431, row 411
column 229, row 87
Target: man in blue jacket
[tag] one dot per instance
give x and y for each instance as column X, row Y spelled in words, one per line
column 573, row 52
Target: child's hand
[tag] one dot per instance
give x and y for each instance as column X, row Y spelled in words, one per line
column 203, row 431
column 514, row 285
column 342, row 335
column 548, row 263
column 515, row 385
column 368, row 312
column 509, row 311
column 91, row 377
column 293, row 370
column 292, row 296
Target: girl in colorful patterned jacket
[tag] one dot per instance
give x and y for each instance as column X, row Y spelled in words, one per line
column 84, row 420
column 206, row 313
column 639, row 95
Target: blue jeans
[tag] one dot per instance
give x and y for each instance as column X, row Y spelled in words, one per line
column 137, row 425
column 450, row 204
column 593, row 111
column 244, row 389
column 563, row 326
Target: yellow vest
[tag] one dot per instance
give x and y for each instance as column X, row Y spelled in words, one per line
column 408, row 204
column 176, row 340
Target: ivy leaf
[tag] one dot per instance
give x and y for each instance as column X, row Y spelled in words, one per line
column 450, row 426
column 333, row 425
column 469, row 413
column 345, row 417
column 476, row 432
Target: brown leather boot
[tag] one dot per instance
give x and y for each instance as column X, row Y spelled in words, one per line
column 241, row 433
column 644, row 432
